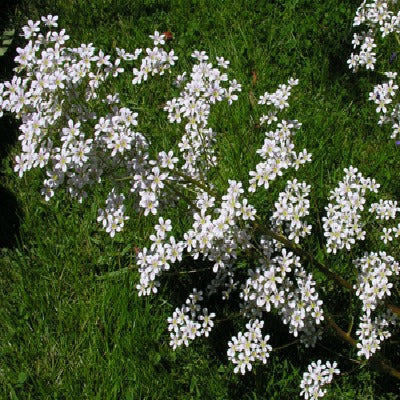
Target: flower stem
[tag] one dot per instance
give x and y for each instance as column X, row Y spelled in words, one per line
column 292, row 246
column 377, row 363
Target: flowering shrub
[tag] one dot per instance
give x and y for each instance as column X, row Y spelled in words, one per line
column 380, row 19
column 318, row 375
column 72, row 123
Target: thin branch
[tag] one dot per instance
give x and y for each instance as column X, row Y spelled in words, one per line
column 377, row 363
column 284, row 346
column 344, row 335
column 395, row 309
column 383, row 366
column 189, row 179
column 192, row 271
column 300, row 252
column 321, row 267
column 288, row 244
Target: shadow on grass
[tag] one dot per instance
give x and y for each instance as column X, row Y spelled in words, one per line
column 9, row 220
column 9, row 210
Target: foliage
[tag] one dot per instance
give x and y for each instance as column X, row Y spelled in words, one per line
column 95, row 336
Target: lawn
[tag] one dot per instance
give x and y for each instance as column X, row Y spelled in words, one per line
column 69, row 327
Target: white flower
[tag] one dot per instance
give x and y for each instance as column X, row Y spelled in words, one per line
column 157, row 38
column 318, row 376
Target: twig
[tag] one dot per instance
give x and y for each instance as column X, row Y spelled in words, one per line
column 114, row 274
column 284, row 346
column 377, row 363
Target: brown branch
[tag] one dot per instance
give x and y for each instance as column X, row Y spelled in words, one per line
column 189, row 179
column 282, row 239
column 321, row 267
column 344, row 335
column 300, row 252
column 377, row 363
column 192, row 271
column 395, row 309
column 383, row 366
column 284, row 346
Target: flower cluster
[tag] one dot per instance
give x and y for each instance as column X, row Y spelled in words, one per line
column 77, row 146
column 318, row 376
column 193, row 106
column 186, row 323
column 54, row 99
column 216, row 239
column 156, row 61
column 151, row 262
column 279, row 99
column 277, row 151
column 224, row 281
column 372, row 287
column 383, row 96
column 282, row 282
column 113, row 216
column 372, row 332
column 150, row 179
column 291, row 206
column 219, row 238
column 248, row 347
column 385, row 210
column 379, row 20
column 373, row 284
column 342, row 224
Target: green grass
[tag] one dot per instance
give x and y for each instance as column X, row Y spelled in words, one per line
column 64, row 333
